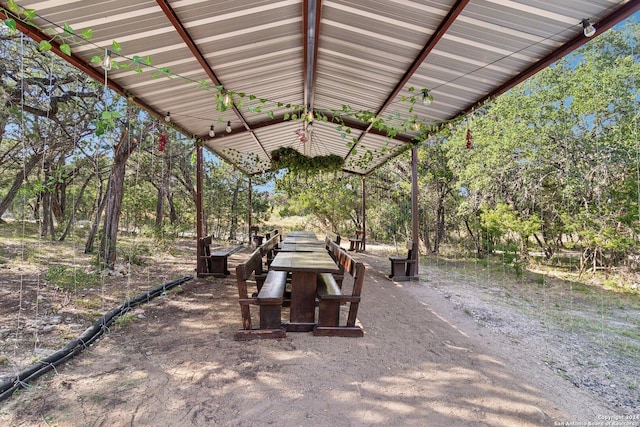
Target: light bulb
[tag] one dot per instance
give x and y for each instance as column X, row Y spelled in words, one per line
column 227, row 100
column 228, row 128
column 106, row 61
column 426, row 97
column 167, row 118
column 588, row 28
column 212, row 132
column 310, row 116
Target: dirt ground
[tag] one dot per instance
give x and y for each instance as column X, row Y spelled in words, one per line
column 449, row 350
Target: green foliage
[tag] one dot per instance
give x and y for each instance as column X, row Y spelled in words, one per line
column 70, row 278
column 124, row 320
column 560, row 151
column 136, row 253
column 297, row 163
column 332, row 200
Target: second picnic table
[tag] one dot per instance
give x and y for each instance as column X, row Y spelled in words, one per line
column 304, row 267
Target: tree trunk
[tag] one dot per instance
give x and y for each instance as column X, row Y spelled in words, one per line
column 162, row 191
column 234, row 214
column 440, row 230
column 18, row 180
column 173, row 213
column 76, row 205
column 47, row 215
column 114, row 195
column 476, row 240
column 88, row 247
column 47, row 203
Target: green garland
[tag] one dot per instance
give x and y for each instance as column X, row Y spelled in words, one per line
column 296, row 162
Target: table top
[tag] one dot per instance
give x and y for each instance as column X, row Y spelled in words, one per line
column 319, row 262
column 303, row 239
column 302, row 233
column 287, row 246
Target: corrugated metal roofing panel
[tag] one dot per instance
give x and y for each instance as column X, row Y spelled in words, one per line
column 363, row 54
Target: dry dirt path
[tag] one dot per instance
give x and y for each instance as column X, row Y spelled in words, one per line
column 422, row 362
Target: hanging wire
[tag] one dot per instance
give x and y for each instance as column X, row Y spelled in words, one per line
column 18, row 335
column 136, row 175
column 72, row 235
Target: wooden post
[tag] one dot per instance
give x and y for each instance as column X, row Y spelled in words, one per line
column 414, row 207
column 199, row 210
column 250, row 209
column 363, row 244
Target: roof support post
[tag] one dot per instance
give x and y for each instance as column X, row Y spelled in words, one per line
column 250, row 210
column 363, row 244
column 414, row 209
column 200, row 263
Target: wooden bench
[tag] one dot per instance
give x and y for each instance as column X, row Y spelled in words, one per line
column 257, row 240
column 268, row 249
column 214, row 260
column 218, row 260
column 335, row 250
column 355, row 242
column 271, row 233
column 334, row 237
column 269, row 298
column 204, row 261
column 331, row 297
column 404, row 268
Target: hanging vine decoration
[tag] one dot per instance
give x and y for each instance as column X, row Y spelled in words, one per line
column 248, row 161
column 296, row 162
column 25, row 15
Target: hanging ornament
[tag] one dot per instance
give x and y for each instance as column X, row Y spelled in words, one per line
column 162, row 141
column 302, row 135
column 469, row 139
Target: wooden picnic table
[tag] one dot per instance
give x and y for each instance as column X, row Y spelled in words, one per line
column 301, row 247
column 304, row 267
column 302, row 233
column 303, row 240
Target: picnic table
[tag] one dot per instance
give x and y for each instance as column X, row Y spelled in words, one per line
column 302, row 233
column 285, row 246
column 304, row 268
column 303, row 240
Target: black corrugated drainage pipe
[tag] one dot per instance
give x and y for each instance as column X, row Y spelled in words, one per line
column 92, row 333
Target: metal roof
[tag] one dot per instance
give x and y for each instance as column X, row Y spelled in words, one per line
column 319, row 55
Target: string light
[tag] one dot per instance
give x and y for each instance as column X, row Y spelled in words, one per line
column 212, row 132
column 227, row 100
column 106, row 61
column 167, row 118
column 588, row 28
column 427, row 98
column 228, row 128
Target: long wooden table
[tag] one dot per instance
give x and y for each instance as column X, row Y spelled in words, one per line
column 303, row 239
column 302, row 233
column 301, row 247
column 304, row 267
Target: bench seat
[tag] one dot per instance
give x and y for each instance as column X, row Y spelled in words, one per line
column 403, row 268
column 331, row 297
column 269, row 299
column 216, row 260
